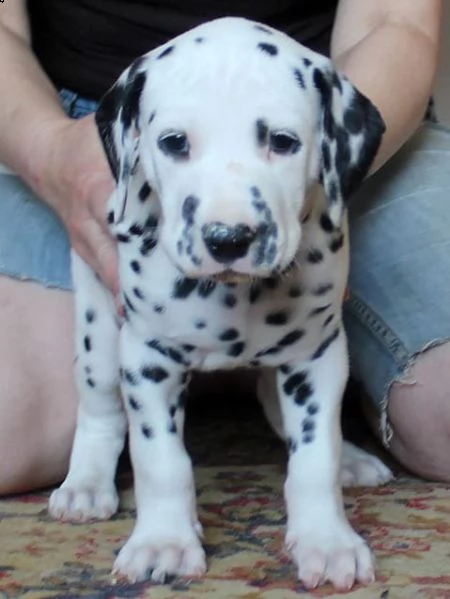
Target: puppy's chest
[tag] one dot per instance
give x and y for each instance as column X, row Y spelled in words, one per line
column 220, row 325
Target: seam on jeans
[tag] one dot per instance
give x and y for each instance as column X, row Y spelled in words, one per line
column 382, row 331
column 387, row 338
column 48, row 283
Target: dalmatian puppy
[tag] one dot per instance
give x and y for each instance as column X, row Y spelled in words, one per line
column 234, row 150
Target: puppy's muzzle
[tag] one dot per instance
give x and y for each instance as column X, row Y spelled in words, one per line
column 227, row 243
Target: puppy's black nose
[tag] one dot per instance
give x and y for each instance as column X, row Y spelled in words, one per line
column 226, row 243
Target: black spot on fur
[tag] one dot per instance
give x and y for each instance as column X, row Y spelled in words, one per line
column 138, row 293
column 133, row 403
column 323, row 289
column 189, row 208
column 269, row 49
column 326, row 223
column 336, row 243
column 110, row 217
column 272, row 282
column 263, row 29
column 184, row 287
column 294, row 381
column 314, row 256
column 255, row 292
column 312, row 409
column 172, row 428
column 87, row 343
column 270, row 351
column 206, row 287
column 156, row 374
column 147, row 245
column 199, row 40
column 229, row 335
column 319, row 310
column 187, row 347
column 136, row 229
column 307, row 439
column 135, row 266
column 325, row 345
column 303, row 393
column 236, row 349
column 299, row 78
column 170, row 352
column 256, row 194
column 130, row 377
column 90, row 382
column 285, row 368
column 262, row 132
column 133, row 91
column 128, row 303
column 230, row 300
column 200, row 324
column 165, row 52
column 278, row 318
column 147, row 431
column 291, row 338
column 308, row 425
column 328, row 320
column 144, row 192
column 326, row 156
column 322, row 87
column 307, row 62
column 158, row 308
column 90, row 316
column 151, row 222
column 122, row 238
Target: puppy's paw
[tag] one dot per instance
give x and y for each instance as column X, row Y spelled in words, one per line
column 83, row 503
column 336, row 555
column 158, row 559
column 362, row 469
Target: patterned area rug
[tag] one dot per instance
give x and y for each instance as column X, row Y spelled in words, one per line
column 239, row 472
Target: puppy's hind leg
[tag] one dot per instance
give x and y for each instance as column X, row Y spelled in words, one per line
column 88, row 491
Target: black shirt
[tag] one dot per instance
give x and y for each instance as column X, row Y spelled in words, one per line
column 84, row 45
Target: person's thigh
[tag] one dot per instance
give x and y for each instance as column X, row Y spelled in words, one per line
column 37, row 392
column 398, row 313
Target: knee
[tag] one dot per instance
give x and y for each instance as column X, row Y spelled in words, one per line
column 35, row 440
column 419, row 411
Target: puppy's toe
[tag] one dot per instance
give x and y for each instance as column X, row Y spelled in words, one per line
column 362, row 469
column 81, row 504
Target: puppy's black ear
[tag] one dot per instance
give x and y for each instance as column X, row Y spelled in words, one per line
column 118, row 124
column 350, row 135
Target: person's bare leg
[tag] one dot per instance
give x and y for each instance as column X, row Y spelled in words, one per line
column 37, row 392
column 419, row 411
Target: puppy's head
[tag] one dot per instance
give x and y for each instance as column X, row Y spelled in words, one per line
column 233, row 124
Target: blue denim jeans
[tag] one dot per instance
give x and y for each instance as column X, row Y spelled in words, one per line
column 399, row 301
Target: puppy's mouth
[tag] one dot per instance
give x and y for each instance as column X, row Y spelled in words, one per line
column 231, row 276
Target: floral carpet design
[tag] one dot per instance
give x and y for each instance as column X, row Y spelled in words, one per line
column 239, row 468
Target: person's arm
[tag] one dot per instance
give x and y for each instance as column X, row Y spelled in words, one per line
column 389, row 49
column 61, row 159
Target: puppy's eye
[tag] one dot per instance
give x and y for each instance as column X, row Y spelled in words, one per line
column 174, row 143
column 284, row 142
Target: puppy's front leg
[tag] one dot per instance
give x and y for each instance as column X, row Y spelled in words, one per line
column 88, row 491
column 319, row 536
column 165, row 539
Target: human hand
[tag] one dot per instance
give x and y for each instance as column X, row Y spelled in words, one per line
column 76, row 181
